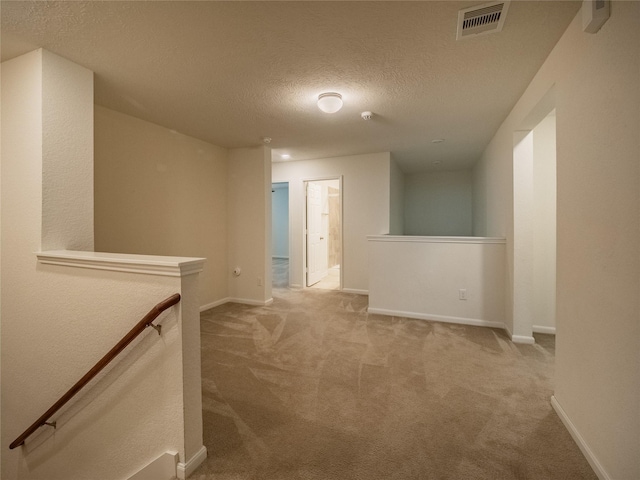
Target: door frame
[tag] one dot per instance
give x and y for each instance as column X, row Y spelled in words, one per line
column 303, row 267
column 522, row 273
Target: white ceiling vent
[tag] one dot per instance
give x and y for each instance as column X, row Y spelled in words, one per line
column 481, row 19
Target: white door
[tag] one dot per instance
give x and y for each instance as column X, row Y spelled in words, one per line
column 316, row 243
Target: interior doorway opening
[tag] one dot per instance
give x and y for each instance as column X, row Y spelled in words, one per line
column 323, row 229
column 534, row 189
column 280, row 234
column 544, row 225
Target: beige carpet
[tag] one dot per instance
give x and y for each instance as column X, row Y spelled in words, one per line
column 312, row 387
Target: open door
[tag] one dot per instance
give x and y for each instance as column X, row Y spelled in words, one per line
column 316, row 243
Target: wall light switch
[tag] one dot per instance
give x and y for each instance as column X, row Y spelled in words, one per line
column 462, row 294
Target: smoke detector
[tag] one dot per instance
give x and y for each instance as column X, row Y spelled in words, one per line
column 366, row 115
column 481, row 19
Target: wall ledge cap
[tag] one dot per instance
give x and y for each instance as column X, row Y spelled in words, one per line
column 123, row 262
column 430, row 239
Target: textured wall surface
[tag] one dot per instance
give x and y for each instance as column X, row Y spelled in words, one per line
column 161, row 193
column 67, row 162
column 249, row 228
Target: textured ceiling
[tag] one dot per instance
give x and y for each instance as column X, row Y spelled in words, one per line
column 231, row 73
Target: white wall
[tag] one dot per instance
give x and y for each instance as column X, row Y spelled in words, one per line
column 521, row 289
column 67, row 154
column 249, row 228
column 158, row 192
column 366, row 201
column 595, row 79
column 534, row 220
column 438, row 203
column 280, row 221
column 21, row 118
column 544, row 225
column 58, row 321
column 420, row 277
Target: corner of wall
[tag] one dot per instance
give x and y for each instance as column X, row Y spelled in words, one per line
column 249, row 223
column 67, row 138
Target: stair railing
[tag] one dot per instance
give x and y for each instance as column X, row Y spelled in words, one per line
column 104, row 361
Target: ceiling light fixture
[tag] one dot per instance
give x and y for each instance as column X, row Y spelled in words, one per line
column 330, row 102
column 285, row 156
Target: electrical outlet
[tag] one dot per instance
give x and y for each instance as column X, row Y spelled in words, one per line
column 462, row 294
column 259, row 281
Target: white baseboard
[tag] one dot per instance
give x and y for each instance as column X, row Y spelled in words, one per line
column 438, row 318
column 249, row 301
column 280, row 257
column 543, row 329
column 245, row 301
column 186, row 469
column 527, row 340
column 582, row 444
column 295, row 285
column 214, row 304
column 162, row 468
column 355, row 290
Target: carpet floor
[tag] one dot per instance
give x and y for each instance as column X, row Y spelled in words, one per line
column 313, row 387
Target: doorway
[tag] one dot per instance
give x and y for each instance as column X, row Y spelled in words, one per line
column 323, row 227
column 544, row 225
column 534, row 190
column 280, row 234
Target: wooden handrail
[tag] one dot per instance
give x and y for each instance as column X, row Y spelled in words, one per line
column 126, row 340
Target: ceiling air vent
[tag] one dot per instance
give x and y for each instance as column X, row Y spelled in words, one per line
column 481, row 19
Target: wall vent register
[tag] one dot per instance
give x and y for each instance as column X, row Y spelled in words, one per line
column 481, row 19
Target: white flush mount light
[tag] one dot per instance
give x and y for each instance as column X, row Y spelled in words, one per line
column 285, row 156
column 330, row 102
